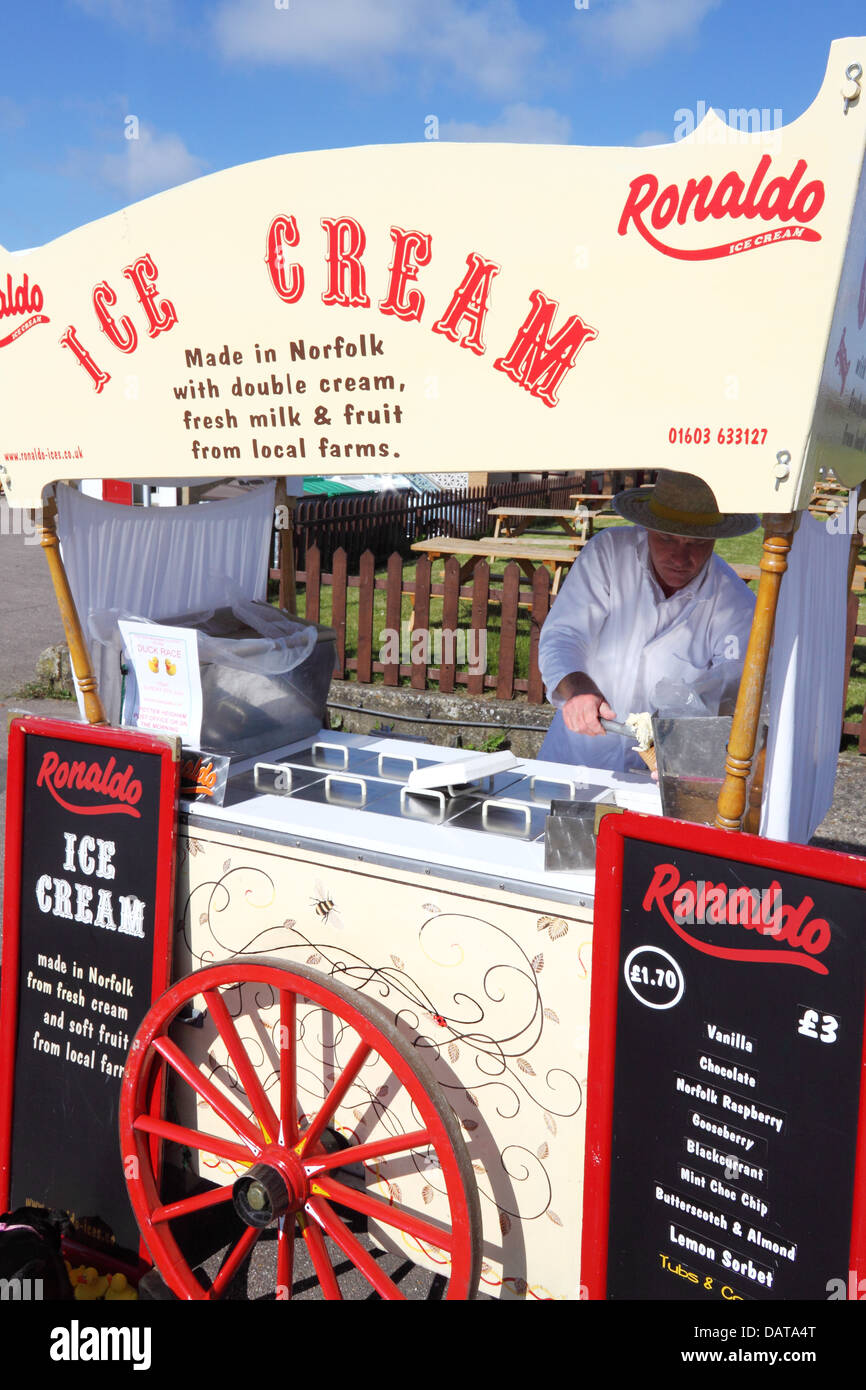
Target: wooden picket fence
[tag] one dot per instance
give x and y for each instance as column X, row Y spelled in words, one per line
column 508, row 598
column 856, row 727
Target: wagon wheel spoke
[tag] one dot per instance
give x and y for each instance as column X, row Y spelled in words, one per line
column 255, row 1091
column 363, row 1153
column 208, row 1092
column 193, row 1138
column 285, row 1256
column 312, row 1135
column 370, row 1205
column 315, row 1243
column 288, row 1067
column 352, row 1247
column 234, row 1260
column 187, row 1205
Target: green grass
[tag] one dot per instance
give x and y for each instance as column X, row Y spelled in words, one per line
column 43, row 690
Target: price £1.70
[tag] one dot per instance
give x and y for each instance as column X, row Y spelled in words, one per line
column 640, row 974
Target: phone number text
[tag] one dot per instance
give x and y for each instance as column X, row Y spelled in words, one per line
column 702, row 434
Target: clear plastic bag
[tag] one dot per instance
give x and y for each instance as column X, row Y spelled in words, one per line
column 710, row 692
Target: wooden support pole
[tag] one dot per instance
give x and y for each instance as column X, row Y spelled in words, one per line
column 853, row 505
column 78, row 652
column 778, row 534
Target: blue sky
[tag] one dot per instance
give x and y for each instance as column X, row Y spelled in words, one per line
column 205, row 86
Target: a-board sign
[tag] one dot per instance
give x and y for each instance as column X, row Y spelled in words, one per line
column 88, row 896
column 725, row 1105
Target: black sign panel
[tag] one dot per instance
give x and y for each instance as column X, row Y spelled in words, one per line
column 736, row 989
column 90, row 856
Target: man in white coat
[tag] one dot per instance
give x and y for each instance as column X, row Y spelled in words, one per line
column 644, row 604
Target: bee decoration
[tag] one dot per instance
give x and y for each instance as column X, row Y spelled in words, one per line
column 326, row 911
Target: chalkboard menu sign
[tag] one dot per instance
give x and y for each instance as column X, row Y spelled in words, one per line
column 725, row 1114
column 89, row 882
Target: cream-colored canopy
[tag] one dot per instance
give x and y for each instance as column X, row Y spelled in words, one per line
column 698, row 306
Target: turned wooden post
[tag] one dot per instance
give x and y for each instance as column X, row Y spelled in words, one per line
column 78, row 652
column 778, row 534
column 856, row 537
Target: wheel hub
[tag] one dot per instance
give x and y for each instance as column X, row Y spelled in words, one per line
column 271, row 1188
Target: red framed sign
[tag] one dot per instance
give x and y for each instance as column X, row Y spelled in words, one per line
column 725, row 1152
column 91, row 825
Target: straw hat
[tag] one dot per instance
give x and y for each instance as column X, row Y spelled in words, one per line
column 681, row 504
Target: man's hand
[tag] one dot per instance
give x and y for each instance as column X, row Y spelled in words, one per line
column 582, row 713
column 583, row 704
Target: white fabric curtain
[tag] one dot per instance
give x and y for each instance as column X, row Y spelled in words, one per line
column 807, row 684
column 161, row 562
column 158, row 561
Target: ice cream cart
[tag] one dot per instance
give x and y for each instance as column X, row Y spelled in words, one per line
column 380, row 999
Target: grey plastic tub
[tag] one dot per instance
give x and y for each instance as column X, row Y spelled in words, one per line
column 244, row 711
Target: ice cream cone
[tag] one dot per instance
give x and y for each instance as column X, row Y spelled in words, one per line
column 649, row 757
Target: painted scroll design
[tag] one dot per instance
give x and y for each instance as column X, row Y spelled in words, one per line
column 485, row 1067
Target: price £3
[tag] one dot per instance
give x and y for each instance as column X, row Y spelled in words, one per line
column 822, row 1027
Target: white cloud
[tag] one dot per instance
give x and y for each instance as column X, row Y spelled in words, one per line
column 332, row 34
column 488, row 46
column 518, row 124
column 640, row 30
column 151, row 163
column 148, row 164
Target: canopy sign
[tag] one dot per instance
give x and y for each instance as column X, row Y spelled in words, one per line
column 406, row 307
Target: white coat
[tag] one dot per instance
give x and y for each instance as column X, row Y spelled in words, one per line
column 612, row 621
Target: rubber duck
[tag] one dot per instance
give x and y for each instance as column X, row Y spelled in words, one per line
column 119, row 1288
column 87, row 1283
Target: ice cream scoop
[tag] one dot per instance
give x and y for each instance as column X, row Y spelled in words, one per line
column 638, row 727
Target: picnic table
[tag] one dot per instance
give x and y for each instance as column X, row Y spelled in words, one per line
column 556, row 552
column 514, row 521
column 595, row 503
column 594, row 497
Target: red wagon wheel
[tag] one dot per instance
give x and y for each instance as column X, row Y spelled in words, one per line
column 291, row 1174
